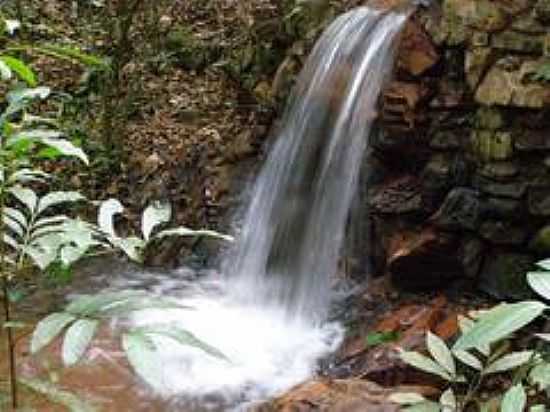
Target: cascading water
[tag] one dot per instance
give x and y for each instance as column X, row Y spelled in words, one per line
column 268, row 314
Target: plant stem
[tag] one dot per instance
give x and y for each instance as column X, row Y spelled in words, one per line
column 7, row 312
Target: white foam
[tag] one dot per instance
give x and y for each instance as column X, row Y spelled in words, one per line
column 268, row 353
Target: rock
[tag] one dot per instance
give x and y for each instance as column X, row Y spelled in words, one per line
column 542, row 11
column 450, row 95
column 502, row 208
column 399, row 106
column 442, row 172
column 447, row 140
column 528, row 24
column 499, row 171
column 541, row 241
column 514, row 190
column 503, row 232
column 489, row 118
column 425, row 260
column 518, row 42
column 532, row 141
column 462, row 209
column 539, row 201
column 503, row 275
column 507, row 84
column 341, row 395
column 476, row 62
column 398, row 196
column 480, row 14
column 488, row 145
column 417, row 54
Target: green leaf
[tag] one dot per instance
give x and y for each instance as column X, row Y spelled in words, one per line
column 499, row 323
column 540, row 376
column 131, row 246
column 56, row 198
column 48, row 328
column 543, row 336
column 468, row 359
column 425, row 364
column 5, row 71
column 514, row 399
column 465, row 324
column 544, row 264
column 77, row 339
column 21, row 69
column 71, row 53
column 156, row 214
column 88, row 305
column 16, row 97
column 181, row 336
column 25, row 196
column 67, row 399
column 107, row 211
column 537, row 408
column 406, row 398
column 12, row 26
column 427, row 406
column 140, row 351
column 379, row 338
column 186, row 232
column 439, row 351
column 66, row 148
column 540, row 283
column 508, row 362
column 448, row 401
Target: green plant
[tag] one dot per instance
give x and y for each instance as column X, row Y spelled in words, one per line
column 482, row 350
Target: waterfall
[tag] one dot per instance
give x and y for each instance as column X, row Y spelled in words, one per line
column 268, row 315
column 292, row 235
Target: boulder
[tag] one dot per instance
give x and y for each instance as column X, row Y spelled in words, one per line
column 504, row 232
column 447, row 140
column 508, row 84
column 539, row 201
column 518, row 42
column 417, row 54
column 488, row 145
column 475, row 64
column 533, row 140
column 542, row 11
column 431, row 259
column 499, row 171
column 514, row 190
column 461, row 210
column 397, row 196
column 541, row 241
column 503, row 275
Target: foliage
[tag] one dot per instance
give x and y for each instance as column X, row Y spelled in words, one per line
column 482, row 350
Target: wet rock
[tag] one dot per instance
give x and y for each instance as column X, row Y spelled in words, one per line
column 488, row 145
column 503, row 275
column 450, row 95
column 518, row 42
column 489, row 118
column 507, row 84
column 514, row 190
column 342, row 395
column 539, row 201
column 476, row 63
column 542, row 11
column 481, row 14
column 447, row 140
column 462, row 209
column 400, row 103
column 398, row 196
column 442, row 172
column 417, row 54
column 425, row 260
column 532, row 141
column 499, row 171
column 503, row 232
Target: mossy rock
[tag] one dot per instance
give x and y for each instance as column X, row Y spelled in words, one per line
column 541, row 241
column 488, row 145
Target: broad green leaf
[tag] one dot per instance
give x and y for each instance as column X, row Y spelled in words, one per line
column 540, row 376
column 131, row 246
column 5, row 71
column 48, row 328
column 66, row 148
column 439, row 351
column 71, row 53
column 25, row 196
column 514, row 399
column 77, row 339
column 425, row 364
column 107, row 211
column 71, row 254
column 499, row 323
column 14, row 325
column 21, row 69
column 186, row 232
column 543, row 336
column 537, row 408
column 540, row 283
column 28, row 175
column 156, row 214
column 140, row 351
column 544, row 264
column 468, row 359
column 56, row 198
column 508, row 362
column 448, row 401
column 406, row 398
column 13, row 225
column 11, row 242
column 465, row 324
column 88, row 305
column 53, row 393
column 18, row 96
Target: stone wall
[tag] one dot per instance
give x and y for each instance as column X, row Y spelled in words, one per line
column 459, row 187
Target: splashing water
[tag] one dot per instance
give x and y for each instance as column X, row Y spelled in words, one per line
column 268, row 315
